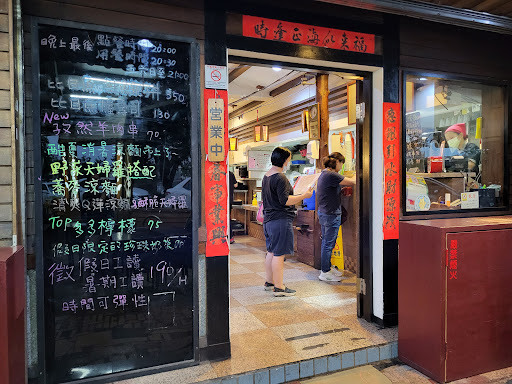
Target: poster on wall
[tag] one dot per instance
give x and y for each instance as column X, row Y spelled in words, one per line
column 391, row 150
column 113, row 122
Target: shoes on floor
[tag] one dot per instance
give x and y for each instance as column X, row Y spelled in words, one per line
column 336, row 272
column 278, row 292
column 231, row 241
column 329, row 277
column 269, row 286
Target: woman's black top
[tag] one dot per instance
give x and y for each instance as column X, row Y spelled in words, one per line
column 275, row 190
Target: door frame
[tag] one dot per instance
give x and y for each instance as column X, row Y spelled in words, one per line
column 364, row 152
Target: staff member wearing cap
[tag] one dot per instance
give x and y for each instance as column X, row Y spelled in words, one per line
column 457, row 138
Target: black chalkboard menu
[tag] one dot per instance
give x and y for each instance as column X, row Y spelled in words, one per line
column 114, row 183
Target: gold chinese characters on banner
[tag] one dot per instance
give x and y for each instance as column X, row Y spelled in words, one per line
column 216, row 130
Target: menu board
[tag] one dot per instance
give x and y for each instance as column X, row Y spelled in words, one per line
column 115, row 208
column 259, row 161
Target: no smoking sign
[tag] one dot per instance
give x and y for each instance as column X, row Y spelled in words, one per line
column 216, row 77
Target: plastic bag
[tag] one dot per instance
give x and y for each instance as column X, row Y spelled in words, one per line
column 259, row 215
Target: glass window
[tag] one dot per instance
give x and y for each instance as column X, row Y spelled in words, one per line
column 454, row 144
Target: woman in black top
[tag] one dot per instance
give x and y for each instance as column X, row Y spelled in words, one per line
column 328, row 193
column 279, row 212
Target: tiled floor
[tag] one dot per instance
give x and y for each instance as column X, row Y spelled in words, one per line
column 269, row 331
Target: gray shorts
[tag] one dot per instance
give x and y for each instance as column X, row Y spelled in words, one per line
column 279, row 236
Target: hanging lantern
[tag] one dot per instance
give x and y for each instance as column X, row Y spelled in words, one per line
column 261, row 133
column 233, row 144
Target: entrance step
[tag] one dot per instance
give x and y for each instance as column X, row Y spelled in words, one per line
column 306, row 369
column 361, row 375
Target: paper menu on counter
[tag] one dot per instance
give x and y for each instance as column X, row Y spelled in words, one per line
column 304, row 182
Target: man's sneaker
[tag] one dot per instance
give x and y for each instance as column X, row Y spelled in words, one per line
column 329, row 276
column 336, row 272
column 269, row 286
column 278, row 292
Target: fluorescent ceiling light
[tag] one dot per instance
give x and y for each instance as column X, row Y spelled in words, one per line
column 276, row 68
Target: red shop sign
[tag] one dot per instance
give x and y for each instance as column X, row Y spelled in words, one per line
column 391, row 147
column 295, row 33
column 215, row 182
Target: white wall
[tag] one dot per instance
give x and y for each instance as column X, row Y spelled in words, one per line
column 377, row 194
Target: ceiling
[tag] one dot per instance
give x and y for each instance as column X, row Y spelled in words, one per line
column 495, row 7
column 250, row 86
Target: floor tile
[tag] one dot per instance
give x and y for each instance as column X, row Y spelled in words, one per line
column 256, row 295
column 234, row 303
column 330, row 301
column 309, row 288
column 320, row 338
column 240, row 252
column 260, row 266
column 255, row 350
column 371, row 331
column 241, row 320
column 194, row 374
column 246, row 280
column 238, row 269
column 291, row 275
column 285, row 312
column 249, row 258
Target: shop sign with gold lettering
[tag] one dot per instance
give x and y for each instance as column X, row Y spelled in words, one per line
column 295, row 33
column 216, row 141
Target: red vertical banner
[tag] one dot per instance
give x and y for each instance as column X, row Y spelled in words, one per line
column 391, row 148
column 215, row 178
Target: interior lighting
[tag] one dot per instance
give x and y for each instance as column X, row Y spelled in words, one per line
column 233, row 144
column 276, row 68
column 261, row 133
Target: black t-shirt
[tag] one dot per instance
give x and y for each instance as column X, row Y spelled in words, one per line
column 328, row 192
column 275, row 190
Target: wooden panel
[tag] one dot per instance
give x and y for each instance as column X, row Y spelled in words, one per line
column 189, row 12
column 496, row 7
column 156, row 22
column 350, row 230
column 256, row 230
column 445, row 48
column 493, row 121
column 309, row 243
